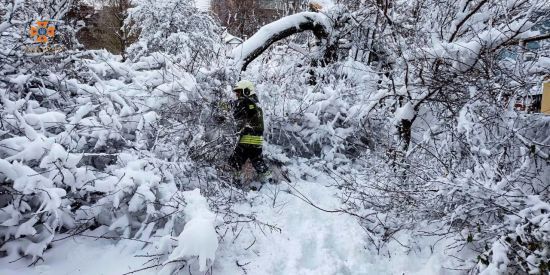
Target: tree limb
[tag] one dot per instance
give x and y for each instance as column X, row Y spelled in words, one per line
column 249, row 50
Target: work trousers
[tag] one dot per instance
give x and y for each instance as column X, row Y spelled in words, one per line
column 244, row 152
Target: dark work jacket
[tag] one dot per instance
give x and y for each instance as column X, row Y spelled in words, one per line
column 249, row 116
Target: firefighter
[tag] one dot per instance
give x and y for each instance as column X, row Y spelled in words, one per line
column 250, row 128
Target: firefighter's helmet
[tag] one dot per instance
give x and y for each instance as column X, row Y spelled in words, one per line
column 246, row 87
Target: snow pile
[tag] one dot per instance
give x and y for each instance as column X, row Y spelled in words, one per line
column 198, row 238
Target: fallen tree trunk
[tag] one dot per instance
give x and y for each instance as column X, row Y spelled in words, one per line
column 249, row 50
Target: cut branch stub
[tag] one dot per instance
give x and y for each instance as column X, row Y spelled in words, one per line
column 249, row 50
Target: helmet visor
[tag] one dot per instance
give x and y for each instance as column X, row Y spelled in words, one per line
column 241, row 91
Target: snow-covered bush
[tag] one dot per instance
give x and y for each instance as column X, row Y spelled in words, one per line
column 459, row 155
column 38, row 172
column 523, row 246
column 416, row 128
column 176, row 28
column 198, row 238
column 89, row 141
column 420, row 126
column 315, row 121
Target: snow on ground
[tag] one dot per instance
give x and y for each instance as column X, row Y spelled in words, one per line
column 82, row 256
column 310, row 241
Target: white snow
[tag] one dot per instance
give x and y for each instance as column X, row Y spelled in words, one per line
column 94, row 257
column 406, row 112
column 310, row 241
column 229, row 38
column 90, row 142
column 203, row 5
column 199, row 237
column 266, row 32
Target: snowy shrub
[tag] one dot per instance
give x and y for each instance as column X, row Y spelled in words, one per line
column 37, row 173
column 176, row 28
column 458, row 154
column 198, row 238
column 416, row 128
column 525, row 247
column 432, row 136
column 318, row 121
column 87, row 140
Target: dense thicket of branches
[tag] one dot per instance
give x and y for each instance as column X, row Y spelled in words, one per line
column 91, row 142
column 411, row 112
column 415, row 117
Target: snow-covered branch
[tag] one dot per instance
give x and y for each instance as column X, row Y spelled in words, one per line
column 7, row 20
column 318, row 23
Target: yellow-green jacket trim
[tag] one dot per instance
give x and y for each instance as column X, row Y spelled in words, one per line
column 250, row 139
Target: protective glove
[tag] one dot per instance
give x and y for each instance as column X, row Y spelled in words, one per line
column 224, row 105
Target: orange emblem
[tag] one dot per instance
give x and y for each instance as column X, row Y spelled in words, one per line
column 50, row 31
column 41, row 31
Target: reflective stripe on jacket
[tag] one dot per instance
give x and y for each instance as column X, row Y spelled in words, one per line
column 250, row 139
